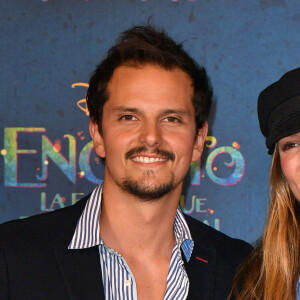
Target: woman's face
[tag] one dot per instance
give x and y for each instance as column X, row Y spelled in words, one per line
column 289, row 151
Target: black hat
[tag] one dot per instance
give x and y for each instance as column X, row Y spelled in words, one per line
column 278, row 108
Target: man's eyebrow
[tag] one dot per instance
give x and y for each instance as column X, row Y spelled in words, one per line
column 177, row 112
column 124, row 109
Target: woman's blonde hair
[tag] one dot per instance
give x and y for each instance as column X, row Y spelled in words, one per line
column 271, row 271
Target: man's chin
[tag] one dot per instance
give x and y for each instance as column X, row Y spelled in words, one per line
column 147, row 191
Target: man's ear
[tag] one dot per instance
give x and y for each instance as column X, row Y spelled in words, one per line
column 199, row 142
column 97, row 138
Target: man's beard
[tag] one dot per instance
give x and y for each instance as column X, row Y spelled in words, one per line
column 142, row 188
column 145, row 191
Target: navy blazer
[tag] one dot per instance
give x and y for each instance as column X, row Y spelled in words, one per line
column 35, row 262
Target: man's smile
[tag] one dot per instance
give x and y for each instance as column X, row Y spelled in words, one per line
column 144, row 155
column 147, row 159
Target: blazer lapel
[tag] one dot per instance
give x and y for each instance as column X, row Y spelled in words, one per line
column 80, row 268
column 81, row 272
column 200, row 270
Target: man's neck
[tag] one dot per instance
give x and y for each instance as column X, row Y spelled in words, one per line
column 131, row 225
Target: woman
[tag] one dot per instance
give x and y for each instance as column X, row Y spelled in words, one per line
column 271, row 272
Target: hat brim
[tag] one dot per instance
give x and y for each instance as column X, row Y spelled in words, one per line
column 288, row 125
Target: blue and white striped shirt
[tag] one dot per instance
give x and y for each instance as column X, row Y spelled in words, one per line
column 118, row 280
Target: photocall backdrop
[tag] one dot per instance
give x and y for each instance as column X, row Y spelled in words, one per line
column 48, row 50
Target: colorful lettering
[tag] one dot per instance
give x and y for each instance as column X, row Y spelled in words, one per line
column 50, row 151
column 11, row 156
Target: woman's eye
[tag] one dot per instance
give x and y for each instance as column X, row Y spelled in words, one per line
column 172, row 119
column 128, row 118
column 289, row 145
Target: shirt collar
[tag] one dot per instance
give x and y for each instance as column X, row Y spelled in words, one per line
column 87, row 232
column 182, row 235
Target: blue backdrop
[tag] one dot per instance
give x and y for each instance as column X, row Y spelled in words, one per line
column 48, row 50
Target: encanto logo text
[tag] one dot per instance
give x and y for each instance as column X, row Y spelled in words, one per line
column 77, row 162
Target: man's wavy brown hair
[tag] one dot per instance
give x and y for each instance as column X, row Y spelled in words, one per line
column 137, row 47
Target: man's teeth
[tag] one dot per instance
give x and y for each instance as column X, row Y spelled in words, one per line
column 147, row 160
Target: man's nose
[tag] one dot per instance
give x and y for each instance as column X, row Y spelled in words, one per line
column 151, row 134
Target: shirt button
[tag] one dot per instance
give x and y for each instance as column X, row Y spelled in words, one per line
column 127, row 282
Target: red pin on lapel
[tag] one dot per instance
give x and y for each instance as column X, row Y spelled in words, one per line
column 201, row 259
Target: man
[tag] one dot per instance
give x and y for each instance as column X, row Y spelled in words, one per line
column 148, row 102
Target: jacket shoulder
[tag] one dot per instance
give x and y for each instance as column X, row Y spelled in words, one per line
column 223, row 255
column 42, row 227
column 212, row 238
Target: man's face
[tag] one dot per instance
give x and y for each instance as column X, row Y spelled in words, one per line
column 148, row 127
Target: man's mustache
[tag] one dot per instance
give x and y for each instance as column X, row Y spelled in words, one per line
column 137, row 150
